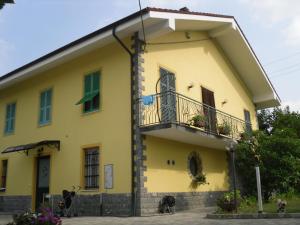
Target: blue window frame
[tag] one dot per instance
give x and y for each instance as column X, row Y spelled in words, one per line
column 10, row 118
column 45, row 107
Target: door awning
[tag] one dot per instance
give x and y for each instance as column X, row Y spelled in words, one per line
column 27, row 147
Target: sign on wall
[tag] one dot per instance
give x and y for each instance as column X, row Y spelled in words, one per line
column 108, row 176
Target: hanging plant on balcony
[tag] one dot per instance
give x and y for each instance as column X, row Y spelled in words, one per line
column 198, row 120
column 224, row 128
column 195, row 170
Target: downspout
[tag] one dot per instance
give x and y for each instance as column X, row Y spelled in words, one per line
column 133, row 194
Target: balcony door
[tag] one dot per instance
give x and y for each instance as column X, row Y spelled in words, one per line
column 168, row 97
column 209, row 110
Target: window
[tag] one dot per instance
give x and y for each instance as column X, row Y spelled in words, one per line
column 248, row 127
column 45, row 107
column 91, row 168
column 91, row 98
column 10, row 118
column 194, row 164
column 3, row 174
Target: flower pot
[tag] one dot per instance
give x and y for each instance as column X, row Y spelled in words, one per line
column 224, row 130
column 199, row 124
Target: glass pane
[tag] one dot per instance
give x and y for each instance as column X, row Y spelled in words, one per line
column 42, row 115
column 44, row 172
column 13, row 110
column 87, row 106
column 6, row 126
column 43, row 99
column 48, row 114
column 12, row 125
column 96, row 102
column 49, row 98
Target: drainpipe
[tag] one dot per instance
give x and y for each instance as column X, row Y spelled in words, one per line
column 133, row 194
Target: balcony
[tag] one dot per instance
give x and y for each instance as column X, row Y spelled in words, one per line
column 173, row 116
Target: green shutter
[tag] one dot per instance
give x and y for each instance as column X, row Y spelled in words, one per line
column 45, row 107
column 10, row 118
column 87, row 85
column 96, row 82
column 91, row 91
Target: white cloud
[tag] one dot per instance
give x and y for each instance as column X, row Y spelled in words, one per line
column 294, row 105
column 285, row 13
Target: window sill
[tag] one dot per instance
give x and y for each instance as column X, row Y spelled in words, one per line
column 90, row 190
column 8, row 134
column 44, row 124
column 90, row 112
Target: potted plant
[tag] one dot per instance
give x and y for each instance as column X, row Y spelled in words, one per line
column 224, row 128
column 198, row 180
column 227, row 203
column 198, row 121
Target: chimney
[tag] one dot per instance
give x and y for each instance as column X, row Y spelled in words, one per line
column 184, row 9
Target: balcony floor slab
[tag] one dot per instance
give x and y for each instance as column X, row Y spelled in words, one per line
column 186, row 134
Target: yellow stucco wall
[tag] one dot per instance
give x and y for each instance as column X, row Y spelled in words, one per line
column 201, row 64
column 162, row 177
column 109, row 127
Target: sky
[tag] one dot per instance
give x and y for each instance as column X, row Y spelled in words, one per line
column 32, row 28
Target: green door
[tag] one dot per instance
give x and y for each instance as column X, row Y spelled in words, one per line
column 42, row 182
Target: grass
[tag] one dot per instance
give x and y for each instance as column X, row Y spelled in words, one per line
column 250, row 205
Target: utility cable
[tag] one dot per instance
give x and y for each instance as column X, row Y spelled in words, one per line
column 143, row 27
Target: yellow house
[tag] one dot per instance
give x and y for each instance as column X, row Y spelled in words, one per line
column 130, row 114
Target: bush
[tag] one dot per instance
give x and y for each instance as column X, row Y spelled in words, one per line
column 277, row 155
column 46, row 217
column 227, row 204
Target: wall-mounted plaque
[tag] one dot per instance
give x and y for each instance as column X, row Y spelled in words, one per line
column 108, row 176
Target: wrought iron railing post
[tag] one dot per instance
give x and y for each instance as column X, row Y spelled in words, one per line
column 178, row 108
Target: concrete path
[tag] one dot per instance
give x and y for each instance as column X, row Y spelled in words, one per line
column 186, row 218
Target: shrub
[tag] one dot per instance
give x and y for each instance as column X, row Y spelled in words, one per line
column 277, row 155
column 46, row 217
column 226, row 201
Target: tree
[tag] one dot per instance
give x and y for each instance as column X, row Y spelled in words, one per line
column 3, row 2
column 276, row 150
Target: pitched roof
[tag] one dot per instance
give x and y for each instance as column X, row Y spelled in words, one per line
column 223, row 28
column 106, row 28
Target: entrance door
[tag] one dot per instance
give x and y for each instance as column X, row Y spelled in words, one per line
column 168, row 97
column 210, row 112
column 42, row 182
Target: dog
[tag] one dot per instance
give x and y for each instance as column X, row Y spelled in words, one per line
column 167, row 204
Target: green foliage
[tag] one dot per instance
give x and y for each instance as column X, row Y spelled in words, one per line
column 224, row 128
column 226, row 201
column 22, row 219
column 198, row 180
column 275, row 149
column 3, row 2
column 46, row 217
column 198, row 120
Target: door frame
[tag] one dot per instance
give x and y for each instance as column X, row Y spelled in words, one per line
column 171, row 112
column 213, row 120
column 36, row 175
